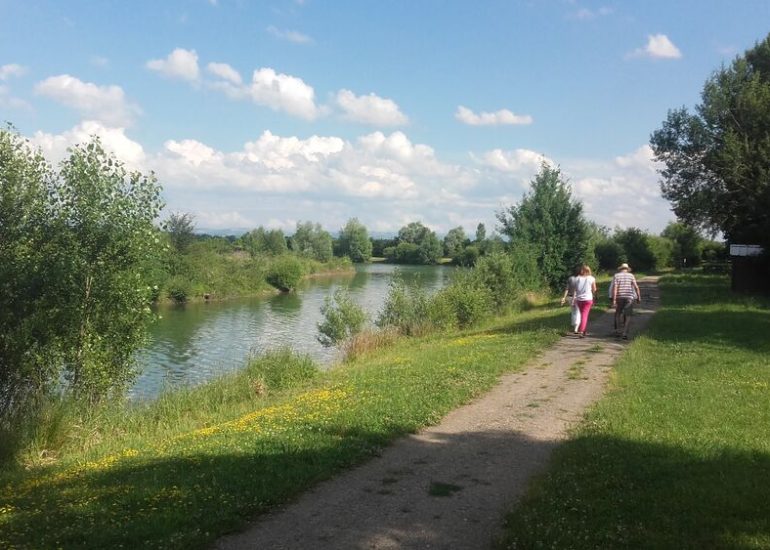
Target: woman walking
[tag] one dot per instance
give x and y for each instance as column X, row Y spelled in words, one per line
column 585, row 288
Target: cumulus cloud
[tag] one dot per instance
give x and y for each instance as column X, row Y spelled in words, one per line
column 370, row 109
column 107, row 104
column 513, row 161
column 225, row 72
column 114, row 140
column 498, row 118
column 11, row 70
column 282, row 92
column 290, row 36
column 659, row 46
column 180, row 64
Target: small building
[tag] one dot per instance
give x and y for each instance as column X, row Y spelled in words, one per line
column 750, row 268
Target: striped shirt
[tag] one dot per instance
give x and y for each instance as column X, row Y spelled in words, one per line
column 624, row 282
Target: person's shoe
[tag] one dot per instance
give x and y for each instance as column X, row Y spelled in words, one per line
column 583, row 334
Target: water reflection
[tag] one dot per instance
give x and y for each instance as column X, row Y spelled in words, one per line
column 195, row 342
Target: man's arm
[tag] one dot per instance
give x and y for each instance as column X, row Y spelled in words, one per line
column 638, row 292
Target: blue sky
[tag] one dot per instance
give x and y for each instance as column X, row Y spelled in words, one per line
column 274, row 112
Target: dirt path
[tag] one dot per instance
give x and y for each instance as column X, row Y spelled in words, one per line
column 449, row 485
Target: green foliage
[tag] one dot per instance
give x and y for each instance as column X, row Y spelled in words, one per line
column 280, row 370
column 417, row 244
column 468, row 300
column 467, row 257
column 688, row 244
column 495, row 273
column 552, row 222
column 75, row 270
column 179, row 288
column 311, row 241
column 717, row 161
column 343, row 319
column 454, row 241
column 405, row 308
column 609, row 254
column 662, row 249
column 481, row 233
column 636, row 246
column 354, row 241
column 285, row 272
column 261, row 241
column 181, row 230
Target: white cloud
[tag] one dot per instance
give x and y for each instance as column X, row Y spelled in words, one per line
column 291, row 36
column 8, row 101
column 370, row 109
column 11, row 70
column 282, row 92
column 658, row 47
column 501, row 117
column 513, row 161
column 585, row 14
column 181, row 64
column 107, row 104
column 99, row 61
column 114, row 140
column 224, row 71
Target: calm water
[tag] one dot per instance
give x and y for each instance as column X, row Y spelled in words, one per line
column 196, row 342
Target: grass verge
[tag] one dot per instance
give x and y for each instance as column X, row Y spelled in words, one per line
column 677, row 455
column 186, row 469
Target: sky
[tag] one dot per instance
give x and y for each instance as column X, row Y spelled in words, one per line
column 268, row 113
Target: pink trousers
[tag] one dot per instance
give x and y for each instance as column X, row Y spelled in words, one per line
column 584, row 307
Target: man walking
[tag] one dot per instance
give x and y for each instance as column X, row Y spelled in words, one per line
column 625, row 292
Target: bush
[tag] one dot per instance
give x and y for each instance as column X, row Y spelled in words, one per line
column 281, row 369
column 469, row 303
column 179, row 289
column 343, row 319
column 285, row 273
column 467, row 257
column 495, row 273
column 406, row 309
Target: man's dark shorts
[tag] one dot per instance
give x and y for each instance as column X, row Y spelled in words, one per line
column 624, row 306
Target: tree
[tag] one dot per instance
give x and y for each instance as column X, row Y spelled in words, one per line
column 261, row 241
column 416, row 244
column 311, row 241
column 481, row 233
column 91, row 237
column 454, row 241
column 354, row 241
column 688, row 244
column 637, row 248
column 717, row 160
column 181, row 230
column 551, row 224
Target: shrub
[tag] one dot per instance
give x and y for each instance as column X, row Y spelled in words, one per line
column 467, row 257
column 406, row 309
column 343, row 318
column 467, row 299
column 285, row 273
column 495, row 273
column 179, row 289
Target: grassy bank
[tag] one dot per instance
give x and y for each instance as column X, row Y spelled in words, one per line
column 182, row 471
column 678, row 453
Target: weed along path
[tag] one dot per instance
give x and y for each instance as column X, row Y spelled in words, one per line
column 449, row 486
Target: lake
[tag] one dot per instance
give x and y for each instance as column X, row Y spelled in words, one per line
column 192, row 343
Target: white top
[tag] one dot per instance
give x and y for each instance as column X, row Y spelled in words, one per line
column 584, row 288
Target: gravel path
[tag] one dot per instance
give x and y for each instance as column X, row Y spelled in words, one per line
column 449, row 486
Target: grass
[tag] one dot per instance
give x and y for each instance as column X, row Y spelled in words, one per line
column 677, row 455
column 196, row 464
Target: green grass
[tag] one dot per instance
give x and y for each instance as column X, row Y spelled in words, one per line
column 196, row 464
column 677, row 455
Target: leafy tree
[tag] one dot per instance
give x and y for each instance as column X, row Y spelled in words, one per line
column 343, row 319
column 481, row 233
column 417, row 244
column 454, row 241
column 181, row 230
column 261, row 241
column 548, row 219
column 637, row 248
column 354, row 241
column 468, row 256
column 312, row 241
column 688, row 244
column 609, row 254
column 717, row 159
column 91, row 238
